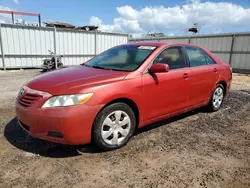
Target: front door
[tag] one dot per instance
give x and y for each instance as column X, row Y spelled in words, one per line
column 165, row 93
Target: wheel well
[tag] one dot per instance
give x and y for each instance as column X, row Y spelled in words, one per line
column 129, row 102
column 224, row 85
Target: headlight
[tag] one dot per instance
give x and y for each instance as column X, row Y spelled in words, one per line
column 67, row 100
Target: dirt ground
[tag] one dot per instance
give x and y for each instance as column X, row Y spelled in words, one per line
column 197, row 149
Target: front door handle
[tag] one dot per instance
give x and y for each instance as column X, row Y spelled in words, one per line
column 215, row 70
column 185, row 75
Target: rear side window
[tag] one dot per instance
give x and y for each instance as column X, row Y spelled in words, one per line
column 209, row 60
column 198, row 57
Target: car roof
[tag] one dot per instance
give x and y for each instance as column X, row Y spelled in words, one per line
column 147, row 43
column 157, row 44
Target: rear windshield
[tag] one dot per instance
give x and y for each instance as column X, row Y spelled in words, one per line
column 122, row 58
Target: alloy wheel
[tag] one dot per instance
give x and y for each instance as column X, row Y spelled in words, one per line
column 217, row 97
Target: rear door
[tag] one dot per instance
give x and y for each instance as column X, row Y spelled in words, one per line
column 203, row 75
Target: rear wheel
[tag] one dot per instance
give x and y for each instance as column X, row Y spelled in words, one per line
column 216, row 98
column 113, row 126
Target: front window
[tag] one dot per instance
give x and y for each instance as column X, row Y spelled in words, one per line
column 173, row 56
column 122, row 58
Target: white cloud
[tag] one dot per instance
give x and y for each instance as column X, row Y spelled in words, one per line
column 170, row 34
column 16, row 1
column 210, row 15
column 127, row 12
column 95, row 21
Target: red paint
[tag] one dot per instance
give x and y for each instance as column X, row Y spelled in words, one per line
column 18, row 13
column 157, row 96
column 158, row 67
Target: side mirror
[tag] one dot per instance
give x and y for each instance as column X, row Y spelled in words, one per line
column 158, row 68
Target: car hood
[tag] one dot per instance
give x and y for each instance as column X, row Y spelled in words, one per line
column 73, row 80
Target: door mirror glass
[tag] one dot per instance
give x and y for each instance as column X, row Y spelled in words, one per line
column 159, row 68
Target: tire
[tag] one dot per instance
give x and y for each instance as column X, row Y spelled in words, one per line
column 43, row 70
column 217, row 94
column 107, row 133
column 60, row 66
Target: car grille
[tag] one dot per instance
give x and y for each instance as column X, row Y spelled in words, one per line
column 28, row 99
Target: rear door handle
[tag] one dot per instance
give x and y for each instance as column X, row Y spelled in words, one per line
column 215, row 70
column 185, row 75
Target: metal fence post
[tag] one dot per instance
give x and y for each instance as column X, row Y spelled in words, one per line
column 189, row 40
column 12, row 16
column 1, row 45
column 231, row 50
column 39, row 20
column 95, row 42
column 55, row 52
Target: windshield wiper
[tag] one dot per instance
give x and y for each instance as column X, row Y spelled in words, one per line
column 97, row 67
column 105, row 68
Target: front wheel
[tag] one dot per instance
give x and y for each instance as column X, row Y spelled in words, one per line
column 216, row 98
column 113, row 126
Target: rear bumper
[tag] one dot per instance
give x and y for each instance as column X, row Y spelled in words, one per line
column 66, row 125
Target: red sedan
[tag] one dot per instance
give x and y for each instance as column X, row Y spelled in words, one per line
column 129, row 86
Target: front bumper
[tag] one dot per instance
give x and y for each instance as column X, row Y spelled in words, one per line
column 229, row 86
column 67, row 125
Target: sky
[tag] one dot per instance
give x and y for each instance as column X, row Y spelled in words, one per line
column 138, row 17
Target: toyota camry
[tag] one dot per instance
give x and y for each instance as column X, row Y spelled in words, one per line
column 106, row 99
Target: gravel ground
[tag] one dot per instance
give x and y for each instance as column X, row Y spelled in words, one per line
column 197, row 149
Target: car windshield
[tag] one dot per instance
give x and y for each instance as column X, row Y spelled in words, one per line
column 122, row 58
